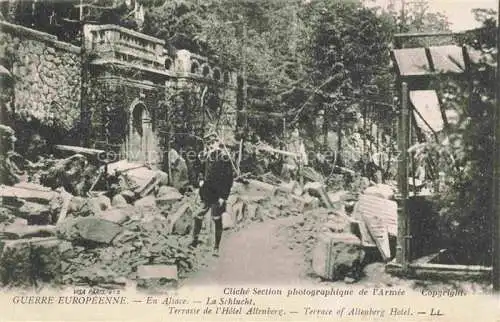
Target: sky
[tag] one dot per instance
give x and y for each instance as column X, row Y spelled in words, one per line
column 458, row 11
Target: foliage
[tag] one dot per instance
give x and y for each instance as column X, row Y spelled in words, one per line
column 465, row 159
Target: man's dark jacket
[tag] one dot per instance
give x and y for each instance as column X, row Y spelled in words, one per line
column 218, row 178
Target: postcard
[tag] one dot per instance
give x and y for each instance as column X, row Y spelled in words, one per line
column 244, row 160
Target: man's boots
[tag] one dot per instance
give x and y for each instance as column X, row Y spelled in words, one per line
column 218, row 235
column 198, row 222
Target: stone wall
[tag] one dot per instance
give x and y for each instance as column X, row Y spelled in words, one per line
column 110, row 102
column 46, row 75
column 205, row 81
column 130, row 69
column 94, row 93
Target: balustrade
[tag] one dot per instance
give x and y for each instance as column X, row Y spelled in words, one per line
column 117, row 43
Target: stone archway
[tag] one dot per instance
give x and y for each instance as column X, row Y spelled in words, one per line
column 141, row 133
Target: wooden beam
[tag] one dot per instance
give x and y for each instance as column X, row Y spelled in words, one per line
column 402, row 248
column 496, row 174
column 79, row 149
column 426, row 34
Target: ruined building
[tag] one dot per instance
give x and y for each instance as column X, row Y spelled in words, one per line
column 121, row 90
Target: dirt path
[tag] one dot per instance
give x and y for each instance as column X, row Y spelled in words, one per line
column 260, row 253
column 266, row 253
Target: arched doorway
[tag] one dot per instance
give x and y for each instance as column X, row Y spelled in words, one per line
column 141, row 133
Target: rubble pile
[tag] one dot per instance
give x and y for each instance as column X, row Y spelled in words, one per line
column 352, row 232
column 138, row 227
column 331, row 247
column 95, row 243
column 134, row 244
column 255, row 200
column 79, row 222
column 68, row 232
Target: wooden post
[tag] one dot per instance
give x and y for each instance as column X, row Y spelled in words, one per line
column 364, row 128
column 283, row 136
column 325, row 128
column 244, row 78
column 85, row 121
column 412, row 155
column 339, row 137
column 402, row 255
column 168, row 117
column 496, row 174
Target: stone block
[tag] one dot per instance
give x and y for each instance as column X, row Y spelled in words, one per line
column 46, row 259
column 310, row 202
column 118, row 215
column 17, row 231
column 39, row 196
column 157, row 276
column 167, row 196
column 146, row 205
column 162, row 178
column 292, row 187
column 119, row 201
column 369, row 208
column 239, row 210
column 89, row 230
column 15, row 264
column 157, row 271
column 31, row 209
column 25, row 262
column 167, row 191
column 180, row 221
column 336, row 256
column 76, row 204
column 103, row 202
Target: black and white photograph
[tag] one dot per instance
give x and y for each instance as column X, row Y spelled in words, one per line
column 253, row 160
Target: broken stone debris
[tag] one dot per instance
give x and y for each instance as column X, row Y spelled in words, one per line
column 118, row 215
column 167, row 196
column 179, row 222
column 141, row 224
column 20, row 231
column 74, row 173
column 119, row 201
column 337, row 242
column 21, row 193
column 318, row 190
column 31, row 260
column 89, row 230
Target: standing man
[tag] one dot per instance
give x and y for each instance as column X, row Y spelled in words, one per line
column 214, row 191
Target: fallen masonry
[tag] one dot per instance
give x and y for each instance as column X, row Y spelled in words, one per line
column 129, row 225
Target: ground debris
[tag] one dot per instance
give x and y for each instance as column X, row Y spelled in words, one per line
column 138, row 244
column 107, row 235
column 89, row 229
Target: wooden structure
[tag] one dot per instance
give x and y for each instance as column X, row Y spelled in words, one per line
column 496, row 184
column 422, row 117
